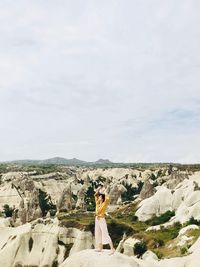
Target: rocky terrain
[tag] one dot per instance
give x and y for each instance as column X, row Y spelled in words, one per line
column 47, row 215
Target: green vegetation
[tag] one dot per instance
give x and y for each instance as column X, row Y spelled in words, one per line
column 124, row 221
column 163, row 218
column 45, row 203
column 195, row 233
column 4, row 168
column 117, row 230
column 140, row 248
column 55, row 263
column 89, row 198
column 47, row 166
column 193, row 221
column 184, row 250
column 7, row 210
column 131, row 191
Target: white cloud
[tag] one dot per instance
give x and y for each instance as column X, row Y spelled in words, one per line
column 93, row 79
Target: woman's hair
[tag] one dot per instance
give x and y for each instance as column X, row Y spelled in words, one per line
column 103, row 196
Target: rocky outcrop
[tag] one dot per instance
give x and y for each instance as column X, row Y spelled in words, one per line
column 40, row 243
column 159, row 203
column 126, row 246
column 115, row 194
column 175, row 178
column 90, row 258
column 148, row 190
column 184, row 200
column 65, row 200
column 81, row 197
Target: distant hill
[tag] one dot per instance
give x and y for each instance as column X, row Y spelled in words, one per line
column 103, row 161
column 61, row 161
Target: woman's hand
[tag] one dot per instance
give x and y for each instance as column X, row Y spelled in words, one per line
column 103, row 190
column 97, row 190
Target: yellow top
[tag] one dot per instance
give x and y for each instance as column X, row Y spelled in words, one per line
column 101, row 208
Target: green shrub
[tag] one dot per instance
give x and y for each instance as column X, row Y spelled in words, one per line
column 159, row 254
column 184, row 250
column 159, row 243
column 117, row 231
column 192, row 220
column 177, row 225
column 165, row 217
column 7, row 210
column 131, row 191
column 69, row 224
column 55, row 263
column 140, row 248
column 45, row 203
column 90, row 227
column 134, row 218
column 89, row 198
column 152, row 177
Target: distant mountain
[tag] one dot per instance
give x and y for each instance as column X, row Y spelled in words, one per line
column 103, row 161
column 61, row 161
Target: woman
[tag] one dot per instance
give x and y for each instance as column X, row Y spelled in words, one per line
column 101, row 231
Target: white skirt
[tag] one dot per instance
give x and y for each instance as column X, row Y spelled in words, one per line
column 101, row 232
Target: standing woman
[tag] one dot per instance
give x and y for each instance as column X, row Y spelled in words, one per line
column 102, row 236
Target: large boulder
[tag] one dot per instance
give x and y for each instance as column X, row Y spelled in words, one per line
column 91, row 258
column 148, row 190
column 184, row 200
column 159, row 203
column 40, row 243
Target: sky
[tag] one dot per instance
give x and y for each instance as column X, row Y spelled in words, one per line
column 114, row 79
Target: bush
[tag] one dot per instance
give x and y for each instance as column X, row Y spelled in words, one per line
column 152, row 177
column 159, row 254
column 159, row 243
column 90, row 227
column 55, row 263
column 134, row 218
column 45, row 203
column 131, row 191
column 117, row 231
column 192, row 220
column 184, row 250
column 165, row 217
column 140, row 248
column 7, row 210
column 89, row 198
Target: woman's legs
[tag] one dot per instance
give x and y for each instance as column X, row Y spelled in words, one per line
column 111, row 248
column 98, row 236
column 105, row 235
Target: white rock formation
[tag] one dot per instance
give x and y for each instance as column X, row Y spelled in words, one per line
column 127, row 246
column 159, row 203
column 184, row 200
column 90, row 258
column 40, row 243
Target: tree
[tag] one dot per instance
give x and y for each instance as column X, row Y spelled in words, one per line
column 45, row 203
column 89, row 198
column 140, row 248
column 7, row 210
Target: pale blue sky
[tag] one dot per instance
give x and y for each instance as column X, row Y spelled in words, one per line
column 100, row 79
